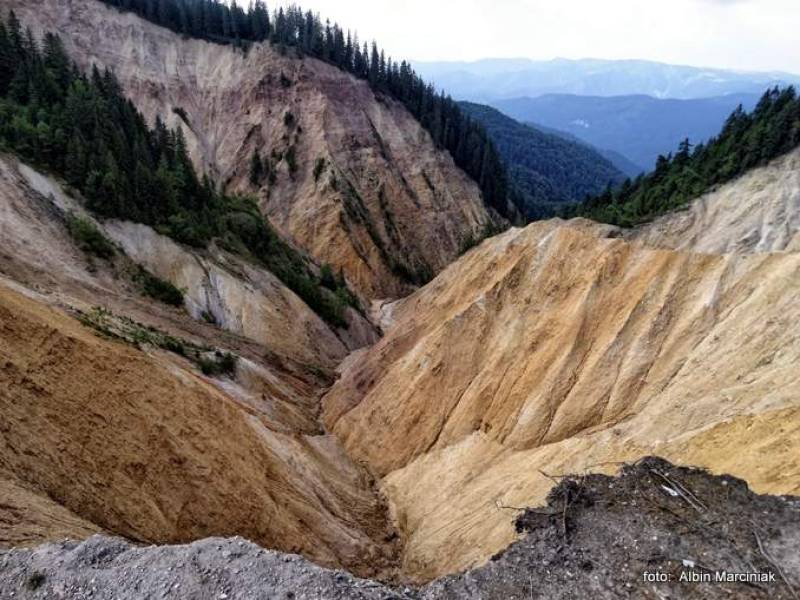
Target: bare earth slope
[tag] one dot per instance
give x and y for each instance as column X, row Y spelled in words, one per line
column 386, row 206
column 555, row 348
column 100, row 435
column 145, row 447
column 240, row 297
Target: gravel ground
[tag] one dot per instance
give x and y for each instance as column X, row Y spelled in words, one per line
column 596, row 539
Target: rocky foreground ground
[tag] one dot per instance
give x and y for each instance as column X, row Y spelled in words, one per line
column 598, row 537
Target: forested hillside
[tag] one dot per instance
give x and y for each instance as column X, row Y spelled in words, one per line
column 747, row 140
column 546, row 171
column 304, row 33
column 83, row 129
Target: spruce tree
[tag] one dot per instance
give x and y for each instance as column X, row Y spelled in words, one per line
column 256, row 169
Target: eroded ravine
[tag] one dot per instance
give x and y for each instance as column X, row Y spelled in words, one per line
column 556, row 348
column 561, row 347
column 553, row 348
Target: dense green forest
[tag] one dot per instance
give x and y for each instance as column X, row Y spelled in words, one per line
column 83, row 129
column 307, row 35
column 747, row 140
column 546, row 172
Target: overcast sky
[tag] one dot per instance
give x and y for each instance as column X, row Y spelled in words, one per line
column 738, row 34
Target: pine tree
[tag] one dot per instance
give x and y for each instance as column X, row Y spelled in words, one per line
column 75, row 162
column 374, row 65
column 256, row 169
column 8, row 60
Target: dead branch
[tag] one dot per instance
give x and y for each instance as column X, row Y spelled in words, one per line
column 690, row 498
column 773, row 562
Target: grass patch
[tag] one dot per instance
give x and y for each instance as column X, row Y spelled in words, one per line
column 291, row 160
column 319, row 167
column 178, row 110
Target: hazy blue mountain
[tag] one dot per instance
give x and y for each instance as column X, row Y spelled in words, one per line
column 547, row 170
column 638, row 127
column 494, row 79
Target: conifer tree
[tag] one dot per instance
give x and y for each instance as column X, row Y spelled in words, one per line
column 256, row 169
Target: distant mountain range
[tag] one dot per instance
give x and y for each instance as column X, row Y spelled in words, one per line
column 494, row 79
column 637, row 127
column 547, row 170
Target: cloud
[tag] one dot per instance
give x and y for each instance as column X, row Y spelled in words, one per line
column 737, row 34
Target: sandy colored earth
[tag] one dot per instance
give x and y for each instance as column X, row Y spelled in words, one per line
column 147, row 448
column 386, row 201
column 556, row 348
column 98, row 435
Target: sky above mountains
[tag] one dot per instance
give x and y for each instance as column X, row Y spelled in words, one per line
column 736, row 34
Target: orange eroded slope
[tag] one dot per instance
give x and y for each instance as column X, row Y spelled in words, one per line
column 554, row 348
column 142, row 446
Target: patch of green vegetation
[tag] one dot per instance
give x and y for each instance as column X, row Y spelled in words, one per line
column 220, row 363
column 291, row 159
column 159, row 289
column 327, row 278
column 89, row 238
column 178, row 110
column 256, row 169
column 210, row 361
column 35, row 580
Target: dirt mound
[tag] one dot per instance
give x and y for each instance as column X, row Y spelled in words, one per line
column 597, row 537
column 365, row 188
column 656, row 531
